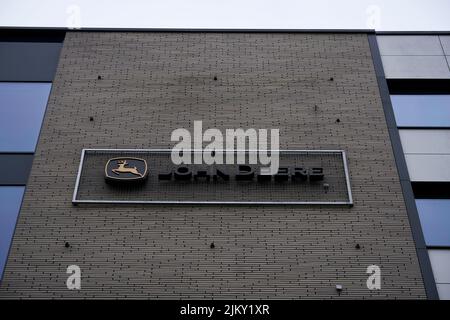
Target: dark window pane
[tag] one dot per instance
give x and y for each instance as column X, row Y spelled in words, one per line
column 28, row 61
column 421, row 110
column 10, row 201
column 15, row 168
column 435, row 220
column 22, row 107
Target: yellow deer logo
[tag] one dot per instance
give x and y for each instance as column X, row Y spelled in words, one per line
column 123, row 169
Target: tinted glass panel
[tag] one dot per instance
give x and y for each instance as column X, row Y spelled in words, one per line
column 435, row 219
column 22, row 107
column 28, row 61
column 421, row 110
column 15, row 168
column 10, row 200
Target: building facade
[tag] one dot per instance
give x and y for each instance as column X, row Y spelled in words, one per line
column 383, row 99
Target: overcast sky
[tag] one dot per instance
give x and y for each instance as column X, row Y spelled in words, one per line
column 414, row 15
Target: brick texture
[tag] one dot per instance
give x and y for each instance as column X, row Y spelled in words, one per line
column 153, row 83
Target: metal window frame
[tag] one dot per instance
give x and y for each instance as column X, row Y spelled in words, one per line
column 349, row 202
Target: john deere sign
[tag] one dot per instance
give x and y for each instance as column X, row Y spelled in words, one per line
column 149, row 176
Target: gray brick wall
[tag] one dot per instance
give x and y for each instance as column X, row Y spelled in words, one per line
column 156, row 82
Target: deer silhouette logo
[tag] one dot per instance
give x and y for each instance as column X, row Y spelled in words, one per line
column 122, row 169
column 129, row 169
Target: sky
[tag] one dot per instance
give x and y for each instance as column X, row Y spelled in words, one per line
column 381, row 15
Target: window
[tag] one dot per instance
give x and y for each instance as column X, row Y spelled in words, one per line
column 435, row 220
column 28, row 60
column 421, row 110
column 22, row 107
column 10, row 200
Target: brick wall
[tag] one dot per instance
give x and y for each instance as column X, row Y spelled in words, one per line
column 153, row 83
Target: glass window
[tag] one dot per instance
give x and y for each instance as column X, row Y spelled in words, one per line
column 435, row 220
column 10, row 201
column 421, row 110
column 22, row 107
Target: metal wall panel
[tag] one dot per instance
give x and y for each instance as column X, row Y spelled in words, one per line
column 425, row 167
column 445, row 42
column 416, row 67
column 427, row 154
column 440, row 262
column 444, row 291
column 402, row 45
column 425, row 141
column 414, row 56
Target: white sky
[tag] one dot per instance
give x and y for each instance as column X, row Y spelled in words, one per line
column 401, row 15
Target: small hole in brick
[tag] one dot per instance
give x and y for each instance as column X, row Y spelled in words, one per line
column 338, row 120
column 212, row 246
column 331, row 79
column 357, row 246
column 215, row 78
column 99, row 78
column 67, row 245
column 91, row 118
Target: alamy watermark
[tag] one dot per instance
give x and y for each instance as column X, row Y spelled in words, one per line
column 374, row 280
column 74, row 280
column 373, row 17
column 73, row 20
column 231, row 147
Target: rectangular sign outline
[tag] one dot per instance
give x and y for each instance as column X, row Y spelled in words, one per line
column 75, row 201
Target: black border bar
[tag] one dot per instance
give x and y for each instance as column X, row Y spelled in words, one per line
column 419, row 86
